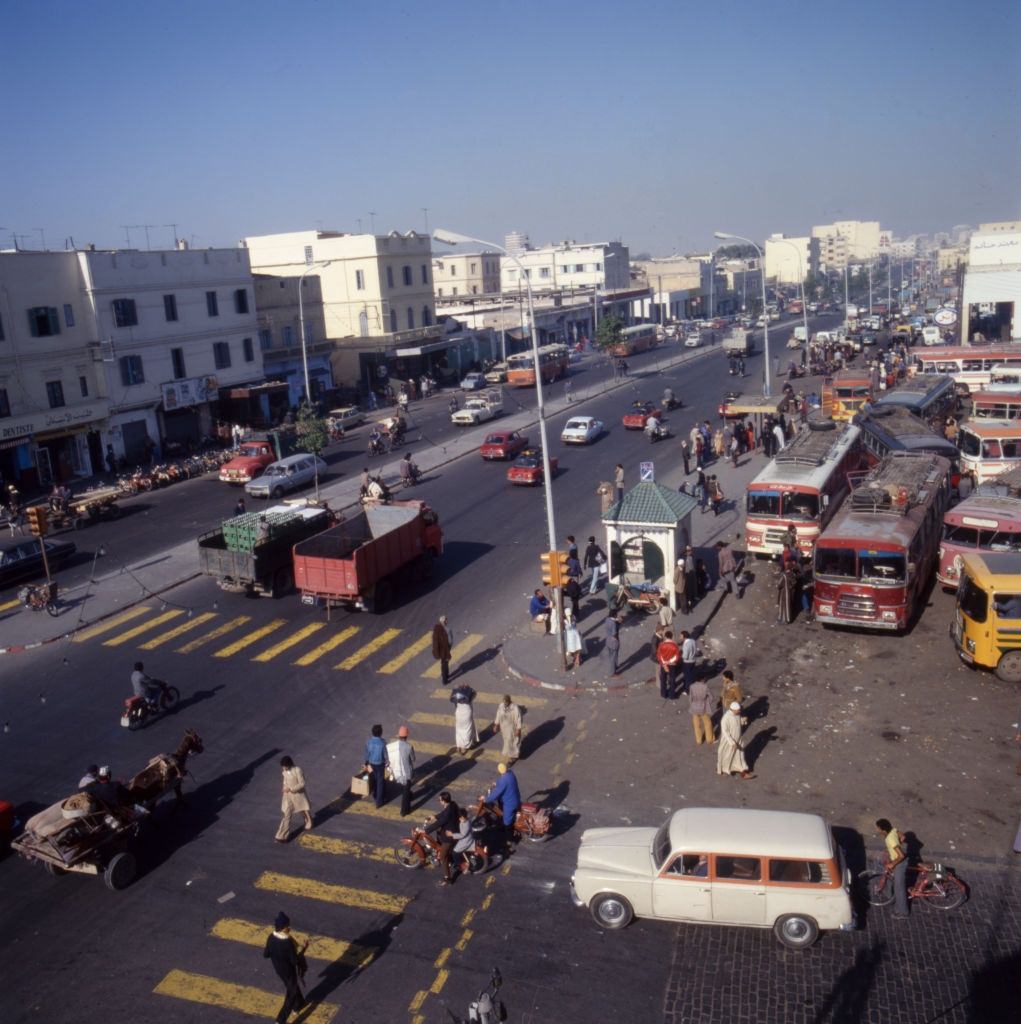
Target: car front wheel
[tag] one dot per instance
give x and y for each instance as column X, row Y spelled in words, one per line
column 796, row 931
column 611, row 911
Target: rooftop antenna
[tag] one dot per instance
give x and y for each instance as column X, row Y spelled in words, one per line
column 42, row 237
column 145, row 228
column 372, row 220
column 174, row 226
column 425, row 210
column 127, row 233
column 22, row 237
column 359, row 225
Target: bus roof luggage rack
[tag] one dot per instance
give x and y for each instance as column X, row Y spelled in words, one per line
column 813, row 446
column 898, row 483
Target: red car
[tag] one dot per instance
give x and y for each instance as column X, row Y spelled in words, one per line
column 728, row 400
column 503, row 444
column 636, row 417
column 528, row 467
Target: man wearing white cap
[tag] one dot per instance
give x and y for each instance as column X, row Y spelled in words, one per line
column 730, row 754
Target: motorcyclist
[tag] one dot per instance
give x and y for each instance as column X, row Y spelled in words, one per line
column 452, row 405
column 378, row 490
column 144, row 686
column 668, row 398
column 375, row 441
column 506, row 793
column 652, row 427
column 409, row 471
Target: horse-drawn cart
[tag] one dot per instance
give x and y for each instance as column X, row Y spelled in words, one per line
column 87, row 506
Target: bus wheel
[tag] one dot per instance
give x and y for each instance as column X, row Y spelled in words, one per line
column 1009, row 668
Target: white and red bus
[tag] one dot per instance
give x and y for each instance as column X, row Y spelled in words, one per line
column 989, row 448
column 802, row 487
column 971, row 366
column 996, row 405
column 988, row 520
column 873, row 561
column 553, row 363
column 639, row 338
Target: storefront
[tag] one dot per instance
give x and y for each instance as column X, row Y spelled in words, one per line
column 292, row 371
column 259, row 406
column 187, row 413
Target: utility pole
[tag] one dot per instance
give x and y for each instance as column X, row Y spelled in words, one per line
column 174, row 226
column 42, row 238
column 425, row 211
column 372, row 221
column 870, row 287
column 127, row 234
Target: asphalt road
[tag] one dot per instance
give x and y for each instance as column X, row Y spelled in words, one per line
column 261, row 677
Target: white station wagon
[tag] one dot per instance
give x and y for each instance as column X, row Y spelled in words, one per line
column 764, row 869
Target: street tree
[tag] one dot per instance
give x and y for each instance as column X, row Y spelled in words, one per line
column 610, row 331
column 311, row 430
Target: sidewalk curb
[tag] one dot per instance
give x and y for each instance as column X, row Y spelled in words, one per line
column 573, row 689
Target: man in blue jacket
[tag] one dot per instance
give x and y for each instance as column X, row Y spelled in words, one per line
column 507, row 792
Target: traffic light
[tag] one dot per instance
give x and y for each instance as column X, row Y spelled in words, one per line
column 551, row 574
column 38, row 523
column 561, row 567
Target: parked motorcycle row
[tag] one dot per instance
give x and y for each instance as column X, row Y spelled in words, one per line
column 167, row 473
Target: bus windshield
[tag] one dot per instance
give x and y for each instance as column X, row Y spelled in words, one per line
column 992, row 540
column 792, row 504
column 972, row 600
column 836, row 562
column 882, row 567
column 970, row 443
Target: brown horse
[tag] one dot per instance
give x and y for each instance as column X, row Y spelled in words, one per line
column 165, row 772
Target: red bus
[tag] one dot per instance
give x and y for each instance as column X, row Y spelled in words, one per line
column 988, row 520
column 639, row 338
column 874, row 559
column 553, row 362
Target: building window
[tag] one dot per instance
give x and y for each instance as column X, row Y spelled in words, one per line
column 248, row 349
column 55, row 393
column 124, row 313
column 309, row 334
column 221, row 355
column 131, row 370
column 212, row 306
column 439, row 292
column 599, row 268
column 425, row 274
column 389, row 277
column 177, row 362
column 427, row 317
column 240, row 300
column 406, row 274
column 287, row 333
column 360, row 280
column 170, row 308
column 475, row 289
column 43, row 322
column 453, row 270
column 265, row 338
column 472, row 268
column 393, row 321
column 454, row 290
column 68, row 315
column 308, row 255
column 5, row 404
column 544, row 272
column 411, row 319
column 83, row 386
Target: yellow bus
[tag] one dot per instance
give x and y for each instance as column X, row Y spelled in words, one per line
column 987, row 620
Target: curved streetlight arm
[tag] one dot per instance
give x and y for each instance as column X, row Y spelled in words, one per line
column 766, row 389
column 804, row 302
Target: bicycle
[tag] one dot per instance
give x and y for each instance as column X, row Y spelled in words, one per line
column 935, row 885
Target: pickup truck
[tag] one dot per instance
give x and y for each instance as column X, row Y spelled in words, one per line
column 247, row 555
column 254, row 455
column 737, row 343
column 479, row 408
column 359, row 562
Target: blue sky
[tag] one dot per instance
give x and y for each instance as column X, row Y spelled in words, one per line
column 652, row 122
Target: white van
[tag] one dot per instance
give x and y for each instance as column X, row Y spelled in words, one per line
column 931, row 336
column 286, row 475
column 719, row 865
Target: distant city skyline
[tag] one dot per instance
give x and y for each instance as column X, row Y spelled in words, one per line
column 654, row 123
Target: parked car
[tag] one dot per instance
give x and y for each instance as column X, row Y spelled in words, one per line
column 719, row 865
column 290, row 474
column 581, row 430
column 347, row 416
column 528, row 468
column 496, row 374
column 637, row 415
column 693, row 340
column 503, row 444
column 22, row 559
column 473, row 382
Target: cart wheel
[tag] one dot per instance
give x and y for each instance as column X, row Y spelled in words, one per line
column 52, row 869
column 78, row 522
column 120, row 872
column 53, row 609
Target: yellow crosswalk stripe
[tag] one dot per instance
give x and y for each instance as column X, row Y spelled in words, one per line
column 457, row 652
column 8, row 605
column 320, row 947
column 173, row 634
column 214, row 634
column 284, row 645
column 366, row 808
column 479, row 753
column 312, row 889
column 346, row 848
column 324, row 648
column 495, row 698
column 370, row 648
column 256, row 1002
column 407, row 654
column 427, row 718
column 130, row 634
column 249, row 638
column 105, row 627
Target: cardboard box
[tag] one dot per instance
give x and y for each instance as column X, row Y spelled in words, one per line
column 360, row 784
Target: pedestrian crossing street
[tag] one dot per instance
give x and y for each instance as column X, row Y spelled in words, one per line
column 280, row 641
column 316, row 877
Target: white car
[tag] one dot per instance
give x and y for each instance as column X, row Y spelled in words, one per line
column 287, row 475
column 473, row 382
column 581, row 430
column 346, row 416
column 496, row 374
column 693, row 340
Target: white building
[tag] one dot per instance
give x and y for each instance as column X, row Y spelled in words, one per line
column 569, row 265
column 846, row 240
column 992, row 285
column 457, row 274
column 790, row 260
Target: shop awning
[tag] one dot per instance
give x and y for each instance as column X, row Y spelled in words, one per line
column 755, row 405
column 431, row 346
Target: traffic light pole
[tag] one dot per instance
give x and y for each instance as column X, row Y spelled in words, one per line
column 46, row 564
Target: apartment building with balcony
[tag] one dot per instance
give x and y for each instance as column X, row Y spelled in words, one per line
column 457, row 274
column 568, row 266
column 791, row 260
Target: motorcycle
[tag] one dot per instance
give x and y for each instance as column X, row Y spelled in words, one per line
column 531, row 821
column 669, row 404
column 377, row 446
column 138, row 709
column 659, row 435
column 38, row 596
column 486, row 1008
column 421, row 849
column 410, row 474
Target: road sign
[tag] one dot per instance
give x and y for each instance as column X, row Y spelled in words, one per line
column 646, row 471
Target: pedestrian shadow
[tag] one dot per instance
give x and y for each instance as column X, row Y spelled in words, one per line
column 552, row 800
column 758, row 708
column 350, row 965
column 993, row 991
column 847, row 1001
column 541, row 735
column 183, row 705
column 478, row 659
column 757, row 744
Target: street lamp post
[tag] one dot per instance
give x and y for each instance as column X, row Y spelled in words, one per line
column 301, row 324
column 766, row 390
column 454, row 238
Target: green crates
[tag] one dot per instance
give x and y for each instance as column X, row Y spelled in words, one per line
column 242, row 532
